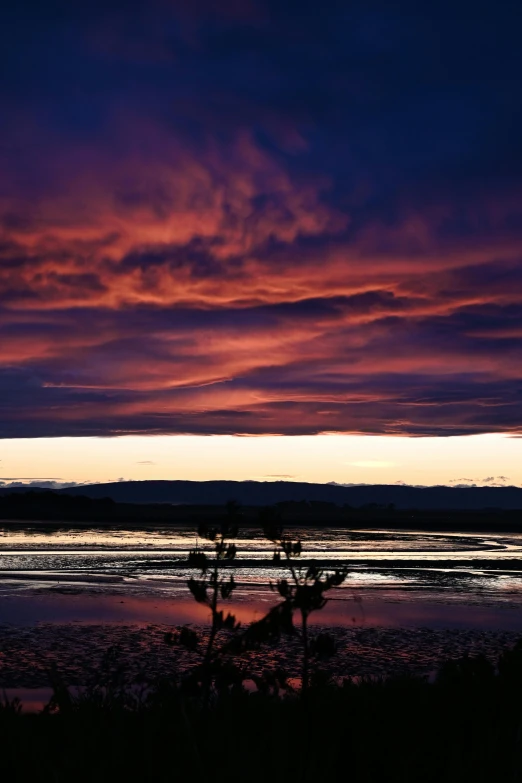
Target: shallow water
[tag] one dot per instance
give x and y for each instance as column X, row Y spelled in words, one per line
column 411, row 600
column 395, row 577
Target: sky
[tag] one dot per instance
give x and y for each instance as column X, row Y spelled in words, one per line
column 480, row 460
column 268, row 218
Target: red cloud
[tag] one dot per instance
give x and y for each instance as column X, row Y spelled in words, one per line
column 167, row 289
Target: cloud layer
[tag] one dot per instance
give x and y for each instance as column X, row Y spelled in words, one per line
column 270, row 220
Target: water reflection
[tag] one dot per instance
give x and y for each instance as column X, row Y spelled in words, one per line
column 406, row 569
column 336, row 542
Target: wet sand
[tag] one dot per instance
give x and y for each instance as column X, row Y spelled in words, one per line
column 80, row 652
column 375, row 636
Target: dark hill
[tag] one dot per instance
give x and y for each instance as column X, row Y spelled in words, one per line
column 257, row 493
column 62, row 507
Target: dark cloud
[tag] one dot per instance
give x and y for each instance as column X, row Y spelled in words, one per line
column 276, row 218
column 30, row 478
column 494, row 481
column 39, row 483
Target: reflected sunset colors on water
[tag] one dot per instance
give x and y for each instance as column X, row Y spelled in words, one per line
column 138, row 575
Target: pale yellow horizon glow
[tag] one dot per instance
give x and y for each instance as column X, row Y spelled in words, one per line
column 480, row 459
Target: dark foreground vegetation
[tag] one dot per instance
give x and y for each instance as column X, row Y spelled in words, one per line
column 59, row 508
column 464, row 727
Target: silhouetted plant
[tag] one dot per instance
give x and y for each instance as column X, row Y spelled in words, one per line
column 209, row 588
column 109, row 685
column 304, row 592
column 272, row 683
column 9, row 706
column 467, row 671
column 510, row 666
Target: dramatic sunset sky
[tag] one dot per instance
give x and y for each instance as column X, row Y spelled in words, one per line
column 261, row 218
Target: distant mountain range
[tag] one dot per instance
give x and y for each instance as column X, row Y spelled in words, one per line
column 258, row 493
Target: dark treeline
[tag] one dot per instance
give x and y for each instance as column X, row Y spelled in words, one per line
column 50, row 506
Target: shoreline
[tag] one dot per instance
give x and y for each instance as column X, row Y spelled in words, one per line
column 305, row 524
column 148, row 517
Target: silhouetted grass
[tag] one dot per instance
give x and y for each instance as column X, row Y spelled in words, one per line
column 464, row 727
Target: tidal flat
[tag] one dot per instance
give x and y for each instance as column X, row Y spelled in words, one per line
column 411, row 599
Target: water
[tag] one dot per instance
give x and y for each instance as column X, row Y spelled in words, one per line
column 411, row 598
column 38, row 562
